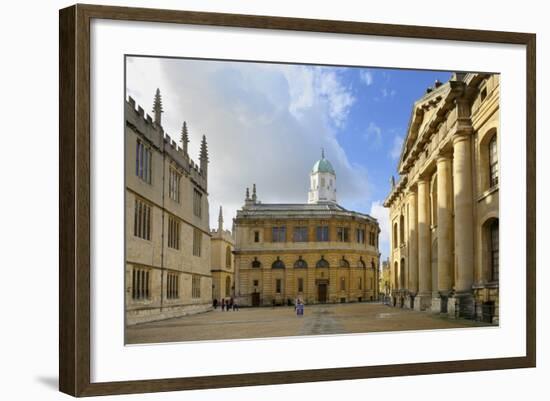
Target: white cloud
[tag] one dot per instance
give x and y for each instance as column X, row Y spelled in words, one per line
column 395, row 151
column 317, row 86
column 382, row 214
column 264, row 124
column 339, row 97
column 366, row 77
column 373, row 135
column 388, row 92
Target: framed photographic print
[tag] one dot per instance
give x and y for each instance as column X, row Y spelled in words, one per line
column 307, row 200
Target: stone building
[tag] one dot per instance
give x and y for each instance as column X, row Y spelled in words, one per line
column 318, row 251
column 167, row 231
column 385, row 280
column 222, row 245
column 444, row 209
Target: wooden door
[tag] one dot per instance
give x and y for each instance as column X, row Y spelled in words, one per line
column 322, row 293
column 255, row 299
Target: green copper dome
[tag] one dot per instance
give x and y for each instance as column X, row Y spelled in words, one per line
column 323, row 165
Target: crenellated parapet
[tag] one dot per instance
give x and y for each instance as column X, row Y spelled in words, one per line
column 153, row 133
column 225, row 235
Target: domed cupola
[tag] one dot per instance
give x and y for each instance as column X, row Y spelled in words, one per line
column 322, row 181
column 322, row 165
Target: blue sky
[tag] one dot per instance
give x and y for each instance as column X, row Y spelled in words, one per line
column 266, row 123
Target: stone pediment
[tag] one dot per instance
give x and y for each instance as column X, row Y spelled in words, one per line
column 424, row 110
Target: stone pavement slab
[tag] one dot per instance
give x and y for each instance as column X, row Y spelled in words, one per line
column 282, row 321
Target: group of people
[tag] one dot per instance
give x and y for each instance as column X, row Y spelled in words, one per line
column 226, row 304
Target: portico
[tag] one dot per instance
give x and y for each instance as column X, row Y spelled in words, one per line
column 436, row 206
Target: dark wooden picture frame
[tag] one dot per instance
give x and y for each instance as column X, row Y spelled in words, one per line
column 74, row 199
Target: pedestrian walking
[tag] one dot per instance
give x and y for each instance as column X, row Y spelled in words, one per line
column 223, row 304
column 300, row 308
column 215, row 303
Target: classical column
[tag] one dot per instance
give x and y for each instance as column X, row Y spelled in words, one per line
column 413, row 245
column 444, row 222
column 463, row 230
column 424, row 261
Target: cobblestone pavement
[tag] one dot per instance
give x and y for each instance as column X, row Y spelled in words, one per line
column 282, row 321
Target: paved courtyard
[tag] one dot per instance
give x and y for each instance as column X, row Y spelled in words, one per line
column 282, row 321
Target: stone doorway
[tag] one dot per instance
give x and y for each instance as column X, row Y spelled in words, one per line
column 255, row 299
column 322, row 293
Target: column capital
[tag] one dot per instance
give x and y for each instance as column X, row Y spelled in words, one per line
column 443, row 157
column 422, row 180
column 425, row 176
column 463, row 135
column 411, row 190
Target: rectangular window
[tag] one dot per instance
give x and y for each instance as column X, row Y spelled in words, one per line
column 140, row 283
column 360, row 284
column 196, row 287
column 300, row 234
column 173, row 233
column 172, row 286
column 174, row 185
column 300, row 285
column 255, row 283
column 278, row 285
column 279, row 234
column 343, row 234
column 144, row 158
column 360, row 234
column 256, row 236
column 197, row 203
column 197, row 242
column 372, row 238
column 142, row 219
column 493, row 162
column 322, row 234
column 342, row 283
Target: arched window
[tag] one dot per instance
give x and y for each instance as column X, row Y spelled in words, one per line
column 395, row 275
column 344, row 262
column 362, row 263
column 227, row 286
column 493, row 162
column 373, row 265
column 228, row 257
column 493, row 248
column 300, row 263
column 395, row 244
column 256, row 263
column 322, row 262
column 402, row 229
column 278, row 264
